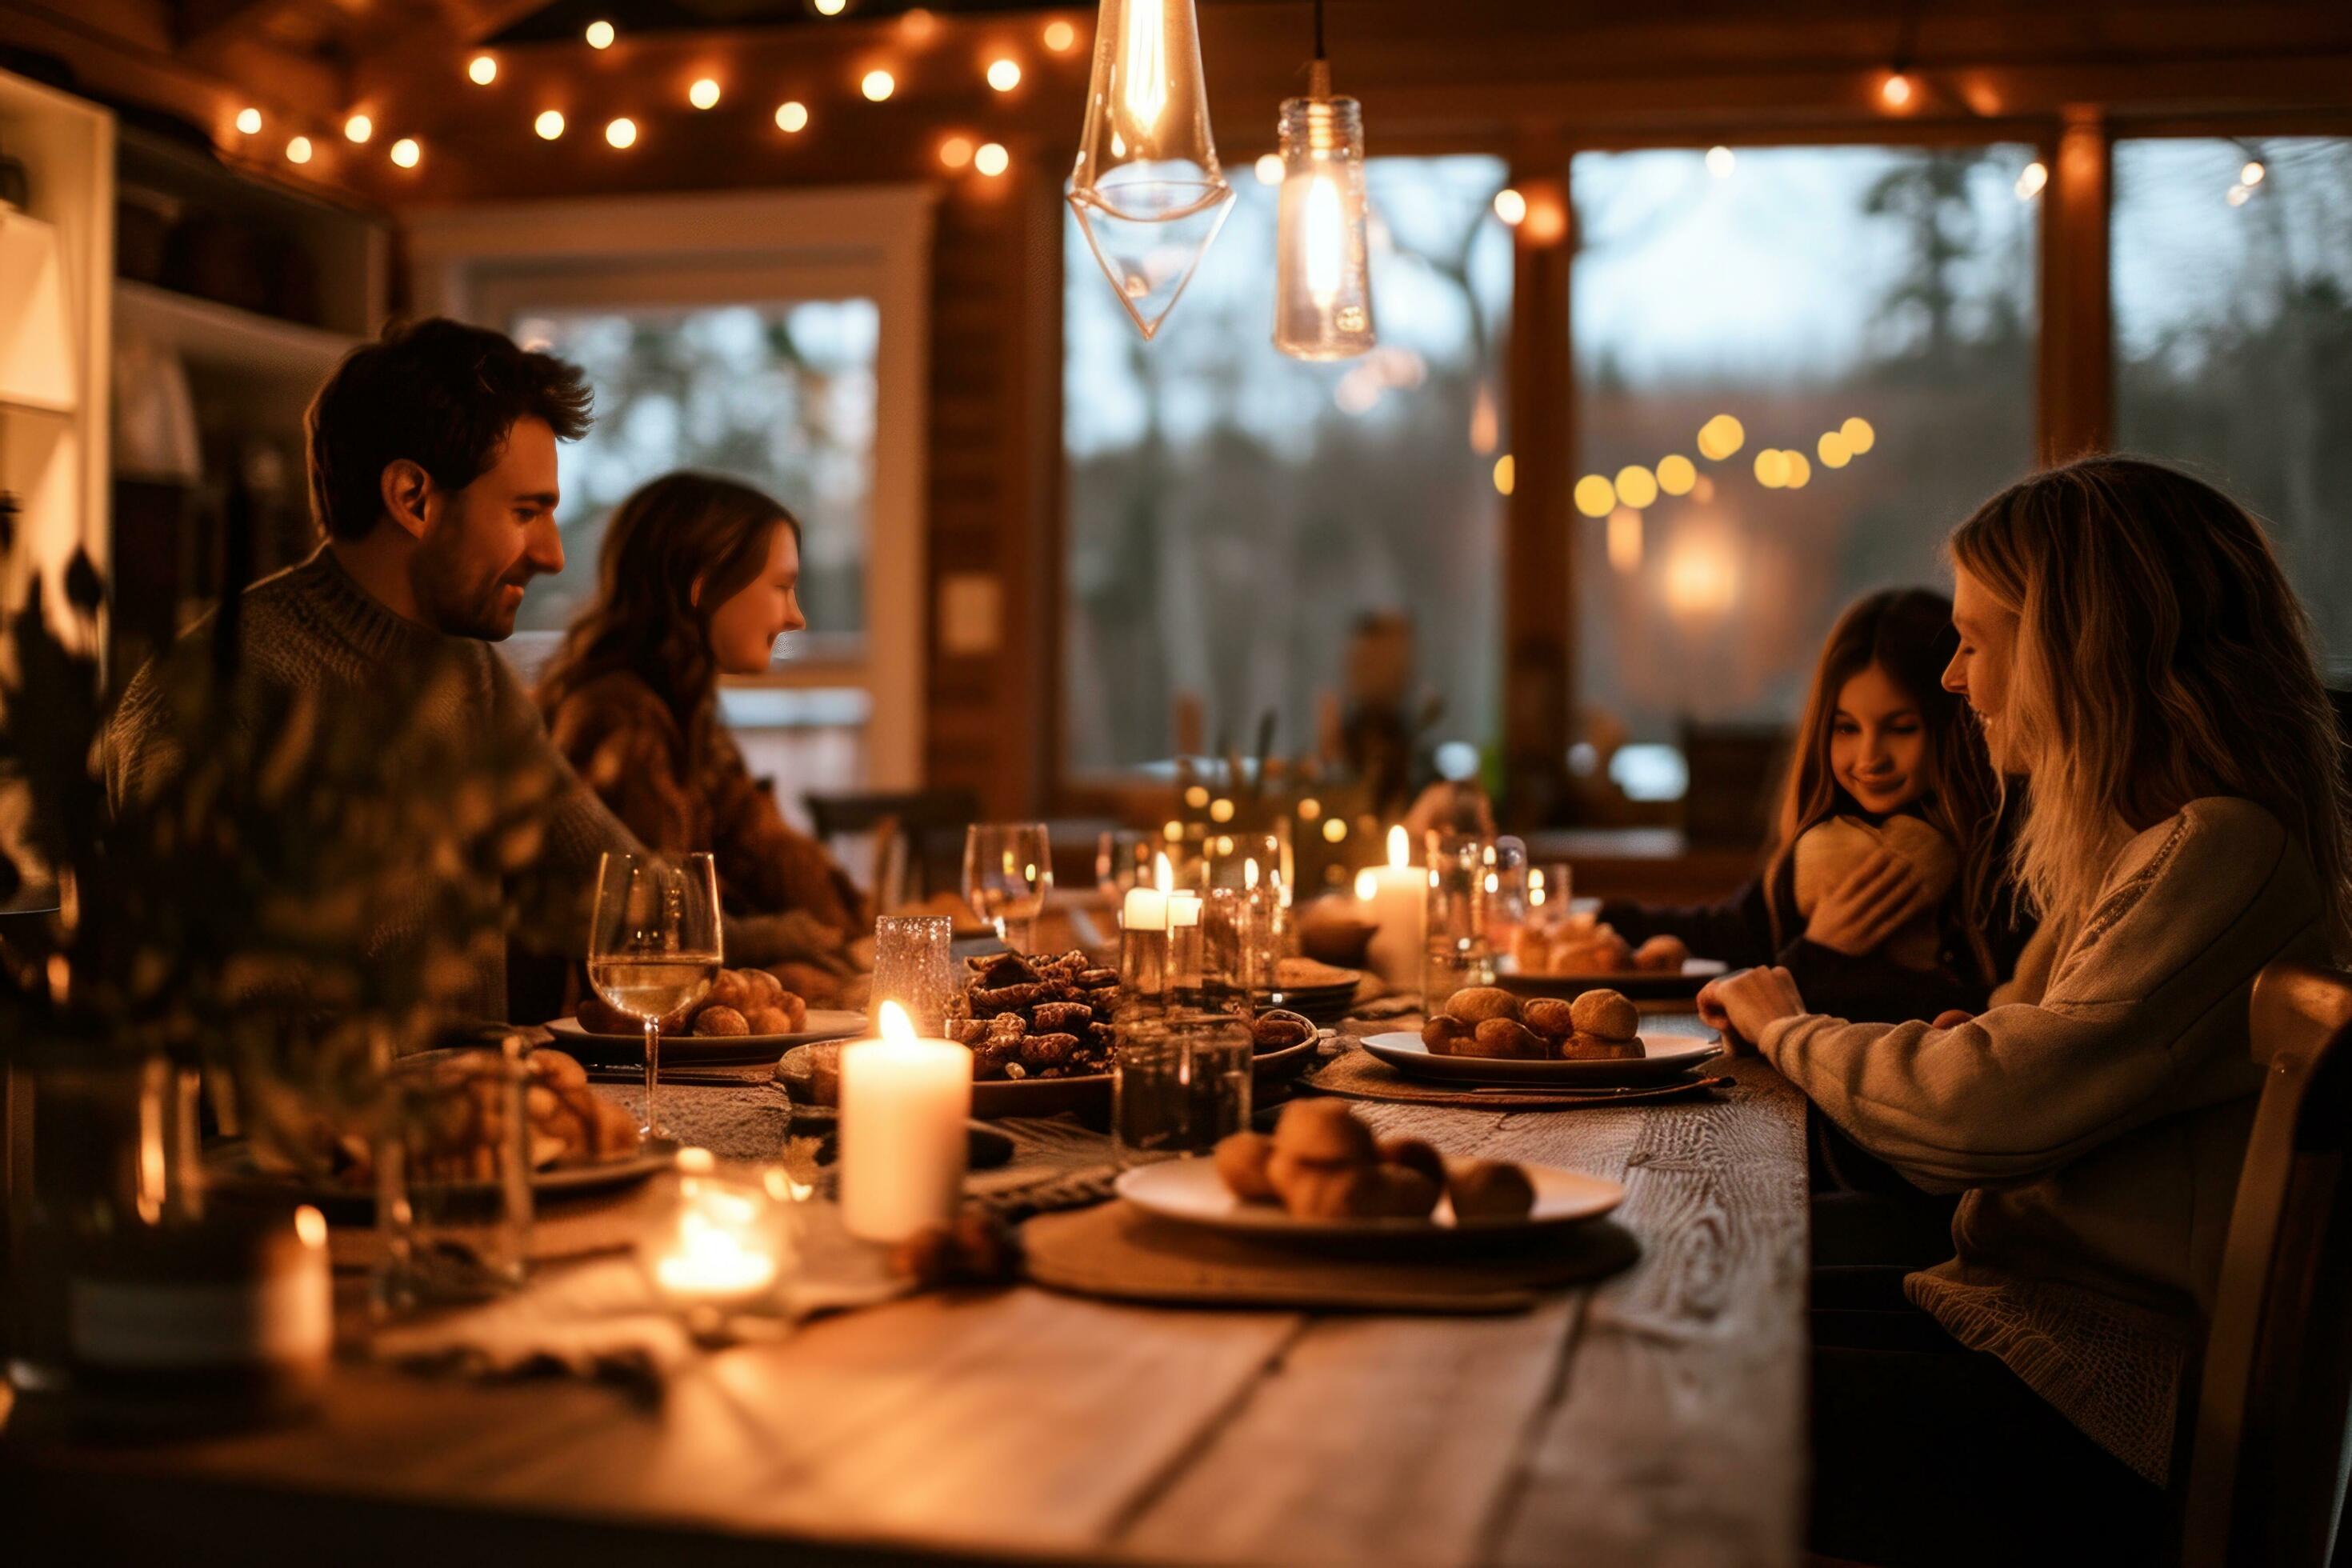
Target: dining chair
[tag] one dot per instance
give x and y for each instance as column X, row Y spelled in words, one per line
column 932, row 822
column 2270, row 1449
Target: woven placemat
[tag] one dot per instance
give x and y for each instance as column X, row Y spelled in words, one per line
column 1357, row 1074
column 1117, row 1250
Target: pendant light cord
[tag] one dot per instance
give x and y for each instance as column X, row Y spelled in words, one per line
column 1318, row 29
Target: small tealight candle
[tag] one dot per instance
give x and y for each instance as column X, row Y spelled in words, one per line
column 1146, row 909
column 722, row 1247
column 904, row 1103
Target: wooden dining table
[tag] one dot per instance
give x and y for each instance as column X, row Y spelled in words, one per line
column 1656, row 1416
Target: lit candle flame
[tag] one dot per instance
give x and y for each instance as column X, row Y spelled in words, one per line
column 1368, row 884
column 1399, row 847
column 1249, row 873
column 1162, row 877
column 896, row 1027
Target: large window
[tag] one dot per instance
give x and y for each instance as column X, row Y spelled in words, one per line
column 1235, row 515
column 2233, row 338
column 1865, row 316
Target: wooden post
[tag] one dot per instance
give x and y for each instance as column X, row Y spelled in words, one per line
column 2077, row 379
column 1539, row 594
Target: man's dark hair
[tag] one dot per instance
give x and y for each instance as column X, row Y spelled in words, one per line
column 439, row 393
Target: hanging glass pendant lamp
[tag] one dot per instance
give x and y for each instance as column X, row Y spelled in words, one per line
column 1322, row 283
column 1147, row 188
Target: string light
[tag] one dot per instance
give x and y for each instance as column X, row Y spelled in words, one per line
column 600, row 35
column 1772, row 468
column 956, row 152
column 249, row 121
column 1720, row 436
column 1060, row 36
column 991, row 159
column 1859, row 436
column 1510, row 206
column 703, row 94
column 622, row 132
column 299, row 150
column 792, row 116
column 1835, row 452
column 1721, row 162
column 1269, row 168
column 1799, row 471
column 550, row 124
column 917, row 25
column 1636, row 486
column 2251, row 174
column 1676, row 474
column 1896, row 89
column 482, row 70
column 1506, row 474
column 2032, row 179
column 1595, row 495
column 407, row 153
column 878, row 86
column 358, row 128
column 1004, row 73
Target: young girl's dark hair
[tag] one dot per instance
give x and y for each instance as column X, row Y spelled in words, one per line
column 1908, row 633
column 674, row 550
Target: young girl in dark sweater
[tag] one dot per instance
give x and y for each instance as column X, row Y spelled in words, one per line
column 1883, row 890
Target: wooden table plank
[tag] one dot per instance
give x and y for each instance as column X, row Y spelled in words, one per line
column 1680, row 1436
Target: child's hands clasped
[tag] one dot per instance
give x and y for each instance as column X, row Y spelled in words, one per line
column 1879, row 898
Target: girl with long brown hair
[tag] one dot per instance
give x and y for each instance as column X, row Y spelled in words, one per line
column 697, row 577
column 1882, row 888
column 2132, row 648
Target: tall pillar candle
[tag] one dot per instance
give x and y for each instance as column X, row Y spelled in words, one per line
column 1393, row 900
column 904, row 1103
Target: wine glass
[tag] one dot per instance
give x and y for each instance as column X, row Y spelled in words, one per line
column 653, row 949
column 1123, row 861
column 1008, row 869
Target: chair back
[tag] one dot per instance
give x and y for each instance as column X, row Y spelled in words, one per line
column 2274, row 1434
column 931, row 822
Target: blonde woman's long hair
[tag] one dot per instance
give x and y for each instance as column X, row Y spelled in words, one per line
column 2160, row 658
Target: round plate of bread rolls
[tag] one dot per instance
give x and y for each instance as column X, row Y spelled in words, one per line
column 1323, row 1174
column 747, row 1015
column 1485, row 1034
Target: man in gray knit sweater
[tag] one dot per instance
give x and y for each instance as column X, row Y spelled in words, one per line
column 433, row 474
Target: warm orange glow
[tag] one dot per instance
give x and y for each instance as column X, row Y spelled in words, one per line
column 1334, row 830
column 1368, row 884
column 703, row 94
column 1859, row 436
column 1896, row 89
column 1699, row 578
column 309, row 1228
column 550, row 124
column 1485, row 422
column 895, row 1025
column 622, row 132
column 791, row 115
column 358, row 128
column 2031, row 179
column 249, row 121
column 1676, row 474
column 831, row 7
column 1720, row 436
column 407, row 153
column 1721, row 162
column 299, row 150
column 1506, row 474
column 1309, row 809
column 1269, row 168
column 1510, row 206
column 1004, row 73
column 991, row 159
column 1547, row 221
column 917, row 25
column 1221, row 810
column 600, row 35
column 1801, row 471
column 482, row 70
column 1772, row 468
column 1060, row 36
column 1835, row 452
column 1636, row 486
column 1595, row 495
column 877, row 85
column 2251, row 174
column 956, row 152
column 1400, row 848
column 1625, row 541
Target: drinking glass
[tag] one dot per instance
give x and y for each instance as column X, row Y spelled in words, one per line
column 1180, row 1081
column 1008, row 869
column 1550, row 887
column 1507, row 891
column 1123, row 859
column 655, row 950
column 453, row 1178
column 914, row 967
column 1455, row 953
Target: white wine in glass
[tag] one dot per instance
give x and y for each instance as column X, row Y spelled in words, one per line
column 1008, row 869
column 653, row 949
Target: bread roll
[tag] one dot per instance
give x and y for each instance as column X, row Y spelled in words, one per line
column 1445, row 1037
column 1550, row 1017
column 1503, row 1039
column 1485, row 1191
column 1312, row 1191
column 1606, row 1014
column 1661, row 953
column 720, row 1021
column 1240, row 1161
column 1582, row 1047
column 1324, row 1132
column 1400, row 1192
column 1413, row 1155
column 1476, row 1003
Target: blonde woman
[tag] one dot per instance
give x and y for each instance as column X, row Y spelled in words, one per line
column 2131, row 648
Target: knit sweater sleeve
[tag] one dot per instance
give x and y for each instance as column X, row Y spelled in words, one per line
column 2025, row 1088
column 1736, row 930
column 762, row 857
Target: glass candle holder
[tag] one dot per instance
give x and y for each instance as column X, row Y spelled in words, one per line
column 914, row 967
column 1180, row 1081
column 1456, row 955
column 1238, row 948
column 719, row 1246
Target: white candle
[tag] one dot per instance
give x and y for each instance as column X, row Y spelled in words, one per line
column 1396, row 902
column 724, row 1244
column 1146, row 909
column 904, row 1103
column 1183, row 908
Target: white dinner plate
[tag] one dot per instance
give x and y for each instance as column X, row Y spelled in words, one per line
column 1662, row 1057
column 689, row 1050
column 1190, row 1192
column 1637, row 984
